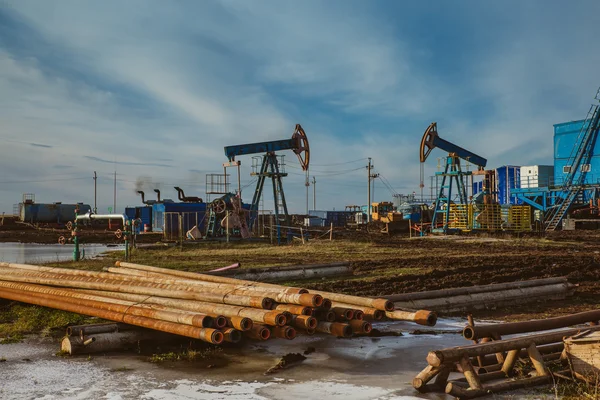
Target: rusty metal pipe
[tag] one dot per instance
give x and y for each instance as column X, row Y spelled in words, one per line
column 343, row 314
column 359, row 315
column 283, row 332
column 79, row 330
column 152, row 289
column 205, row 334
column 360, row 327
column 324, row 315
column 181, row 317
column 454, row 354
column 481, row 331
column 206, row 277
column 335, row 328
column 421, row 317
column 369, row 313
column 304, row 322
column 239, row 323
column 258, row 332
column 327, row 304
column 145, row 276
column 257, row 315
column 294, row 309
column 354, row 301
column 445, row 293
column 232, row 335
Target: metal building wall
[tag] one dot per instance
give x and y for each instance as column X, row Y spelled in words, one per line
column 566, row 136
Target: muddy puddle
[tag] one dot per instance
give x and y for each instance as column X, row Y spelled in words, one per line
column 360, row 368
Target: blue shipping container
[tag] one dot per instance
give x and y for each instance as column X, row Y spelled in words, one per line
column 508, row 177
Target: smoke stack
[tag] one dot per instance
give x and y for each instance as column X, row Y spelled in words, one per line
column 157, row 194
column 180, row 194
column 142, row 194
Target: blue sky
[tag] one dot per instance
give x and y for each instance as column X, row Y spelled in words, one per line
column 155, row 89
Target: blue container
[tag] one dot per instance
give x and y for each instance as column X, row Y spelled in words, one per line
column 567, row 136
column 50, row 213
column 477, row 187
column 508, row 177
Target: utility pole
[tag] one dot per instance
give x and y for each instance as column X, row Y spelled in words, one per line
column 115, row 195
column 314, row 183
column 95, row 192
column 307, row 184
column 369, row 189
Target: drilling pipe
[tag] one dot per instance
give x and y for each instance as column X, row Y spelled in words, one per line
column 454, row 354
column 205, row 334
column 151, row 289
column 205, row 277
column 257, row 315
column 124, row 307
column 481, row 331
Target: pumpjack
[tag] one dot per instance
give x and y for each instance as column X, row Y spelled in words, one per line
column 452, row 176
column 270, row 168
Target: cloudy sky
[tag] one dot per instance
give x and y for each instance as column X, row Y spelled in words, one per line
column 155, row 89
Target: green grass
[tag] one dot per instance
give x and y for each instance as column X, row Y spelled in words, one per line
column 186, row 355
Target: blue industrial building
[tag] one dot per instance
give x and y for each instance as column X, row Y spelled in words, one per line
column 192, row 213
column 566, row 136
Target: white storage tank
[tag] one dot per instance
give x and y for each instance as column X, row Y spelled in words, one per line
column 534, row 176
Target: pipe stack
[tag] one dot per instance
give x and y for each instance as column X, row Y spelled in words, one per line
column 201, row 306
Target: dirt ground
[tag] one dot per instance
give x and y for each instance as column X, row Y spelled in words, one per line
column 386, row 265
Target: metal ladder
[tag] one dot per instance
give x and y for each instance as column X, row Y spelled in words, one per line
column 210, row 227
column 580, row 156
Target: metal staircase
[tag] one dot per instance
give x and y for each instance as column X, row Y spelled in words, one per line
column 580, row 157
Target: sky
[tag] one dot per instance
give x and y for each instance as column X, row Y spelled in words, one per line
column 154, row 90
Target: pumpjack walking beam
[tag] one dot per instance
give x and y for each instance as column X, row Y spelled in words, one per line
column 298, row 143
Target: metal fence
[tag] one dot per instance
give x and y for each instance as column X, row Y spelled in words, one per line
column 177, row 224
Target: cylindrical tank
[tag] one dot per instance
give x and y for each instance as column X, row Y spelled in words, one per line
column 50, row 213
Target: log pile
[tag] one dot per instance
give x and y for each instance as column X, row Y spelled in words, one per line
column 201, row 306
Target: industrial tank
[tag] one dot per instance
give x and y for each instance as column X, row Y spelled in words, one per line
column 50, row 213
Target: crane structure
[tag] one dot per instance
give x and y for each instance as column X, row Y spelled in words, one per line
column 452, row 177
column 270, row 168
column 579, row 165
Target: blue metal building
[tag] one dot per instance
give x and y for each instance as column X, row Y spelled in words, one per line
column 191, row 212
column 566, row 135
column 508, row 177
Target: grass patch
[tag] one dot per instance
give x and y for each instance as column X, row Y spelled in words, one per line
column 18, row 319
column 121, row 369
column 187, row 355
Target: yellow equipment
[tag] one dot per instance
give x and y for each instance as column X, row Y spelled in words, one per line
column 384, row 214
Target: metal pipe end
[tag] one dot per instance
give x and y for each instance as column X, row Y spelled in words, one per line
column 367, row 327
column 219, row 321
column 317, row 300
column 232, row 335
column 246, row 324
column 359, row 315
column 301, row 291
column 307, row 311
column 211, row 335
column 117, row 263
column 424, row 317
column 264, row 333
column 208, row 321
column 468, row 332
column 275, row 318
column 349, row 314
column 327, row 304
column 267, row 303
column 288, row 317
column 217, row 337
column 310, row 332
column 383, row 304
column 290, row 333
column 330, row 316
column 311, row 322
column 341, row 330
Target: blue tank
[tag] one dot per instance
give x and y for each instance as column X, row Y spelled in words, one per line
column 50, row 213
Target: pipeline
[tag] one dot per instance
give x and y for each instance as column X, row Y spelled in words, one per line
column 205, row 277
column 151, row 289
column 205, row 334
column 481, row 331
column 465, row 291
column 258, row 315
column 454, row 354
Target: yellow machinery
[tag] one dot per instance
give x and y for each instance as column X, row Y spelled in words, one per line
column 384, row 214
